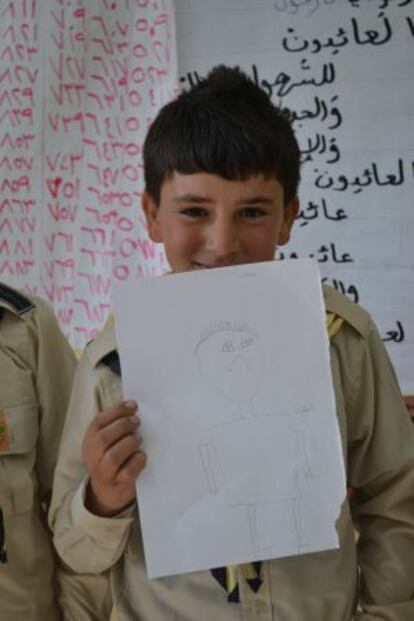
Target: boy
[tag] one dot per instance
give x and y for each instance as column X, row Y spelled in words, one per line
column 222, row 172
column 37, row 368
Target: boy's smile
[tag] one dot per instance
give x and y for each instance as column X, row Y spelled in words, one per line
column 206, row 221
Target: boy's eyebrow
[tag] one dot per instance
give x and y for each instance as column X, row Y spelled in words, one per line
column 196, row 198
column 192, row 198
column 256, row 200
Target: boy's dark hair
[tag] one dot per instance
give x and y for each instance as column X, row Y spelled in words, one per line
column 224, row 125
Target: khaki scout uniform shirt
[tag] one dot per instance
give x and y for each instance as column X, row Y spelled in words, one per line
column 37, row 367
column 379, row 448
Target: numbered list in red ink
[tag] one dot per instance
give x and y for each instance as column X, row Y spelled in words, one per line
column 65, row 41
column 19, row 144
column 130, row 73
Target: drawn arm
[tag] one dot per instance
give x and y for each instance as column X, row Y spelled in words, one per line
column 206, row 460
column 303, row 456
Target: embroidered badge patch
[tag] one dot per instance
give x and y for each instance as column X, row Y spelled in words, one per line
column 4, row 432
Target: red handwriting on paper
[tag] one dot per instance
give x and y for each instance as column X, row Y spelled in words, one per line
column 65, row 124
column 62, row 212
column 117, row 68
column 95, row 94
column 96, row 283
column 65, row 240
column 96, row 313
column 58, row 293
column 19, row 77
column 53, row 186
column 149, row 65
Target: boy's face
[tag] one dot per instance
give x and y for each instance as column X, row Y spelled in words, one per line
column 206, row 221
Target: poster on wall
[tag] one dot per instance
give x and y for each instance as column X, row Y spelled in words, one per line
column 345, row 71
column 80, row 82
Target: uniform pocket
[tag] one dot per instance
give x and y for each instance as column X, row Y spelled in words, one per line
column 19, row 429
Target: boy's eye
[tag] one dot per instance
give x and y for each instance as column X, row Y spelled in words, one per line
column 252, row 212
column 194, row 212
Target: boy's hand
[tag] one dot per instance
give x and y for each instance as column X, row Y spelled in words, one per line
column 113, row 459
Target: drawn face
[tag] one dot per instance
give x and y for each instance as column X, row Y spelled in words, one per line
column 231, row 361
column 206, row 221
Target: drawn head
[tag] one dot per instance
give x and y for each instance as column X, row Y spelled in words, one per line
column 228, row 355
column 227, row 126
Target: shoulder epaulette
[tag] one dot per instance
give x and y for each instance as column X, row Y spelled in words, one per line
column 103, row 349
column 14, row 300
column 112, row 361
column 340, row 309
column 333, row 324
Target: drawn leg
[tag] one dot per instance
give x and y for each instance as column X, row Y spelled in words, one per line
column 297, row 520
column 260, row 548
column 252, row 513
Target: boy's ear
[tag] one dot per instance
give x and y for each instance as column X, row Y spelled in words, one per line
column 290, row 212
column 151, row 212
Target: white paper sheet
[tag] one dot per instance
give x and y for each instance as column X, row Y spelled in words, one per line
column 230, row 368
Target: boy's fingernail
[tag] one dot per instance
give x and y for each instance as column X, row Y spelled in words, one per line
column 131, row 404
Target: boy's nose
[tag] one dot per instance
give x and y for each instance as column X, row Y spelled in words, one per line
column 223, row 240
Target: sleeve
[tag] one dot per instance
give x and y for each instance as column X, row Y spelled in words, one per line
column 86, row 543
column 381, row 469
column 55, row 368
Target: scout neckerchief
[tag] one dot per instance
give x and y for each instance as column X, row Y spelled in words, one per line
column 227, row 576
